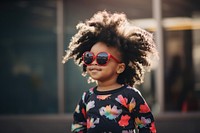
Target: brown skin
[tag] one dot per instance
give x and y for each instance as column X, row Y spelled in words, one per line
column 106, row 76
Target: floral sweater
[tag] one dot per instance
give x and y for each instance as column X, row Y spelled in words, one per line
column 117, row 111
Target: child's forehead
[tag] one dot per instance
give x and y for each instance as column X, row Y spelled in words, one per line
column 103, row 47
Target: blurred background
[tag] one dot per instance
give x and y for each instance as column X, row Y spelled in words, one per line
column 38, row 93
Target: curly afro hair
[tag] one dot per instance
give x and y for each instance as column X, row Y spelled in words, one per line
column 136, row 45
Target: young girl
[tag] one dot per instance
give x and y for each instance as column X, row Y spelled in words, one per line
column 115, row 55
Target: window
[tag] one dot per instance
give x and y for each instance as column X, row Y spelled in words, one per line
column 28, row 71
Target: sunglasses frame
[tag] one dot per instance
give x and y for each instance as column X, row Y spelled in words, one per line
column 95, row 57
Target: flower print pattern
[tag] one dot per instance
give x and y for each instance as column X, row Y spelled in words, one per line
column 103, row 97
column 77, row 127
column 122, row 100
column 83, row 112
column 83, row 97
column 91, row 122
column 144, row 108
column 95, row 111
column 110, row 113
column 91, row 104
column 142, row 122
column 124, row 121
column 131, row 105
column 91, row 90
column 153, row 128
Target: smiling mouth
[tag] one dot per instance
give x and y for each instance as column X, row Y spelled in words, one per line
column 94, row 69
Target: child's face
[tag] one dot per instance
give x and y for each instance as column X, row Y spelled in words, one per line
column 108, row 72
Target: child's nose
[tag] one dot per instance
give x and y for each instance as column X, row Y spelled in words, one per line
column 94, row 62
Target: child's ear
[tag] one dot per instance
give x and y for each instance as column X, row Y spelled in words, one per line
column 121, row 67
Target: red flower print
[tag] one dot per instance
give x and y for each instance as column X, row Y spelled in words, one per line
column 124, row 120
column 144, row 108
column 122, row 100
column 153, row 128
column 91, row 122
column 88, row 123
column 83, row 112
column 103, row 97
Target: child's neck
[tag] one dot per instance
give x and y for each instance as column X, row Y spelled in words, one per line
column 108, row 87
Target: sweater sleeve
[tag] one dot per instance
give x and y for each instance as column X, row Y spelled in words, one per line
column 79, row 124
column 143, row 117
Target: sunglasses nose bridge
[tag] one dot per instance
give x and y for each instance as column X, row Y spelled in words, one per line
column 94, row 61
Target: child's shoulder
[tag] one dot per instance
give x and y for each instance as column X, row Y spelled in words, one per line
column 88, row 93
column 132, row 90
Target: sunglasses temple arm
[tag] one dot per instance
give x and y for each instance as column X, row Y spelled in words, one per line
column 115, row 59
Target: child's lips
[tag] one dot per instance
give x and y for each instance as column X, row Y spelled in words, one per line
column 94, row 69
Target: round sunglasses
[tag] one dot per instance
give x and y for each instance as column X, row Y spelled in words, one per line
column 102, row 58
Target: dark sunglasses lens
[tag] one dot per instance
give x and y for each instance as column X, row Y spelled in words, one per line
column 88, row 58
column 102, row 58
